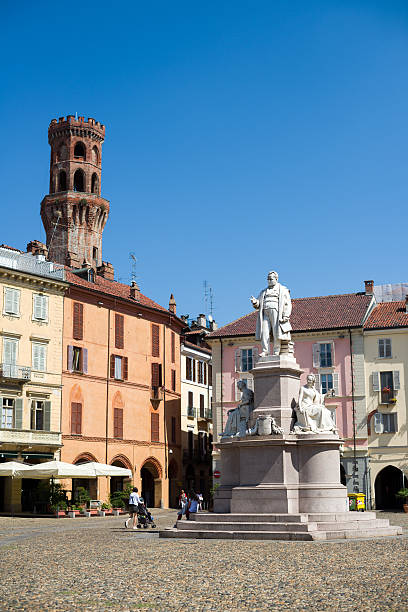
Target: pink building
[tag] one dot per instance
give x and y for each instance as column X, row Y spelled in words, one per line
column 328, row 336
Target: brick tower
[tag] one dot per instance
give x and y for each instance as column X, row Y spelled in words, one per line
column 73, row 213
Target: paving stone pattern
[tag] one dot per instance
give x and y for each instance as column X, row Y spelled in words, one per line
column 96, row 564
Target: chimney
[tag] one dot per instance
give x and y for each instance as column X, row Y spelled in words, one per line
column 35, row 247
column 106, row 270
column 134, row 290
column 213, row 326
column 172, row 304
column 369, row 287
column 201, row 322
column 406, row 303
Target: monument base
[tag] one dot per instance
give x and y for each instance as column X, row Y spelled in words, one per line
column 292, row 527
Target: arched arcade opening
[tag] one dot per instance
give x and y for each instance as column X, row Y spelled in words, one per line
column 387, row 483
column 151, row 476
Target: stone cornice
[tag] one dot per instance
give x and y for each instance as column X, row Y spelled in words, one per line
column 37, row 282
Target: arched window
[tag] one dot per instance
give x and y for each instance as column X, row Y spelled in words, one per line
column 79, row 150
column 62, row 181
column 79, row 181
column 95, row 155
column 94, row 187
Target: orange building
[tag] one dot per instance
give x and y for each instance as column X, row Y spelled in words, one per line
column 121, row 359
column 121, row 387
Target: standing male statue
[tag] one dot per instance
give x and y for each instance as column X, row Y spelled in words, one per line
column 275, row 307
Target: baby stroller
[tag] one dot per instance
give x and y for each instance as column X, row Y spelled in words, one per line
column 144, row 518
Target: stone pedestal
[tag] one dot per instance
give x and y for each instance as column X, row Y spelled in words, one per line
column 280, row 486
column 283, row 473
column 276, row 388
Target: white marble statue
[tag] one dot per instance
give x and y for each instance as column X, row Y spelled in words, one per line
column 312, row 414
column 275, row 307
column 237, row 422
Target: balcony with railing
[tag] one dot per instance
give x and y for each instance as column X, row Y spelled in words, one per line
column 191, row 412
column 30, row 437
column 11, row 371
column 156, row 394
column 205, row 414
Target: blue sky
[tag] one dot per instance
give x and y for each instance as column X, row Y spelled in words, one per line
column 240, row 137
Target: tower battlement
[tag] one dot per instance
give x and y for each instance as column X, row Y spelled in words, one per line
column 76, row 127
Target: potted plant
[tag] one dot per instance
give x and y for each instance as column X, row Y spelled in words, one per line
column 59, row 509
column 118, row 500
column 73, row 511
column 105, row 509
column 82, row 497
column 403, row 494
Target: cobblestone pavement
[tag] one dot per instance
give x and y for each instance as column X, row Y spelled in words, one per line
column 96, row 564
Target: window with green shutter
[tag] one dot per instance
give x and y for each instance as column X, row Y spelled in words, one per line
column 11, row 301
column 40, row 307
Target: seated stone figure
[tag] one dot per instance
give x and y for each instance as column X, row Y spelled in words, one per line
column 237, row 422
column 312, row 414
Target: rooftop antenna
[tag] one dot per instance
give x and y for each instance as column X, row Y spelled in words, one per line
column 133, row 275
column 208, row 299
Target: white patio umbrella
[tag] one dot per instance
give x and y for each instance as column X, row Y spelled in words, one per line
column 9, row 468
column 103, row 469
column 56, row 469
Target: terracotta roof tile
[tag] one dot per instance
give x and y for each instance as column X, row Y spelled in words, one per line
column 309, row 314
column 112, row 288
column 387, row 314
column 197, row 348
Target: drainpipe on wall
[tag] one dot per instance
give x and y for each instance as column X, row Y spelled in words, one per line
column 221, row 389
column 355, row 466
column 62, row 367
column 107, row 390
column 164, row 411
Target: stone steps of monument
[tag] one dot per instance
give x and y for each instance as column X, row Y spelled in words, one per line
column 300, row 536
column 362, row 532
column 351, row 524
column 248, row 526
column 242, row 535
column 252, row 518
column 284, row 518
column 321, row 517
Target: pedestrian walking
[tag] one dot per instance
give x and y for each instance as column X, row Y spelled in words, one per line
column 200, row 501
column 182, row 503
column 192, row 505
column 134, row 501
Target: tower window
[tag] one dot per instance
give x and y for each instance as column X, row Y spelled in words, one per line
column 62, row 181
column 95, row 155
column 79, row 150
column 94, row 187
column 79, row 181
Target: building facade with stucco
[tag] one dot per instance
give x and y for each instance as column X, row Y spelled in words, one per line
column 196, row 408
column 32, row 314
column 386, row 362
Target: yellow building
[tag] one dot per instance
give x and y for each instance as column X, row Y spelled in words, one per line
column 31, row 311
column 386, row 362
